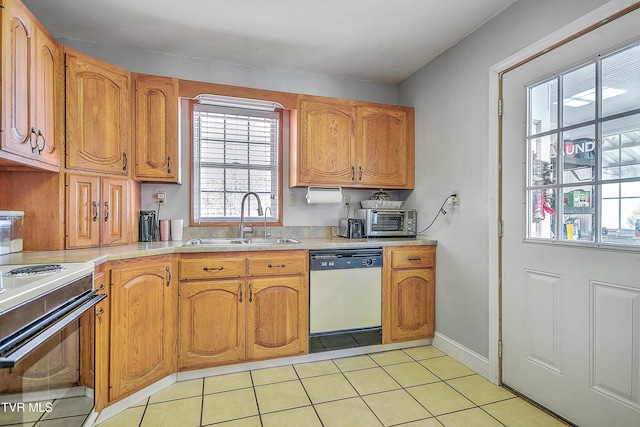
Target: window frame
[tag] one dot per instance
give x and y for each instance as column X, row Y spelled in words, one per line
column 598, row 179
column 272, row 221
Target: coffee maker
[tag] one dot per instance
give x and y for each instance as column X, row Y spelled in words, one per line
column 147, row 227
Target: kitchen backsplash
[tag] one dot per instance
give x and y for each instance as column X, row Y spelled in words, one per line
column 276, row 232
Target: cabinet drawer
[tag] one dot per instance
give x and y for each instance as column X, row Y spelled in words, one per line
column 211, row 267
column 278, row 263
column 414, row 256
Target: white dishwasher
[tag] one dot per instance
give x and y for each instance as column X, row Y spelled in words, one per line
column 345, row 290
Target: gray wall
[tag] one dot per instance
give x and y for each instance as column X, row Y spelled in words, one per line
column 451, row 97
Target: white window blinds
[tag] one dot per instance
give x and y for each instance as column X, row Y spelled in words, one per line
column 234, row 151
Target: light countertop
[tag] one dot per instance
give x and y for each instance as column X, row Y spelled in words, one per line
column 137, row 250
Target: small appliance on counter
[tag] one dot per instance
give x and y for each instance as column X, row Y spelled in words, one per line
column 351, row 228
column 11, row 224
column 147, row 227
column 388, row 222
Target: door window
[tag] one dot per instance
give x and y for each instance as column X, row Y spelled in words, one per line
column 583, row 145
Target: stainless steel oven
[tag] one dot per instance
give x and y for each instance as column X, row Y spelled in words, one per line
column 46, row 345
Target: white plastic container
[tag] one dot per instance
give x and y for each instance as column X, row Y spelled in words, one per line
column 11, row 239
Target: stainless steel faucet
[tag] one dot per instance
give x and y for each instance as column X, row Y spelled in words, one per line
column 268, row 208
column 241, row 228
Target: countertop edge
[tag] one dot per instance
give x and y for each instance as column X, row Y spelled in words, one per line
column 100, row 256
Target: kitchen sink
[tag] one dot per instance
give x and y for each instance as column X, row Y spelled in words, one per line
column 235, row 241
column 280, row 241
column 214, row 242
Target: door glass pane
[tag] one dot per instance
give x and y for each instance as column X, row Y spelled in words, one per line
column 579, row 214
column 544, row 107
column 544, row 160
column 621, row 148
column 542, row 217
column 579, row 95
column 620, row 82
column 578, row 147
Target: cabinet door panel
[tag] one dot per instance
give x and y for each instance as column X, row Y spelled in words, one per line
column 383, row 147
column 143, row 318
column 16, row 88
column 326, row 146
column 277, row 313
column 97, row 117
column 156, row 129
column 83, row 216
column 211, row 323
column 412, row 304
column 44, row 105
column 114, row 211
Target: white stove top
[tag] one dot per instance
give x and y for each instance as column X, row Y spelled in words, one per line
column 17, row 289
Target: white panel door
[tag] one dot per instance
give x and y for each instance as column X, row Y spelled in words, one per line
column 570, row 314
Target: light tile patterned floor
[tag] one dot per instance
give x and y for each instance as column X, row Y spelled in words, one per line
column 415, row 387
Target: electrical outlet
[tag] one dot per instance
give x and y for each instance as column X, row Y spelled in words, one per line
column 162, row 198
column 456, row 199
column 346, row 201
column 293, row 200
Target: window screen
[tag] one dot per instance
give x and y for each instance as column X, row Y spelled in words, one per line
column 234, row 151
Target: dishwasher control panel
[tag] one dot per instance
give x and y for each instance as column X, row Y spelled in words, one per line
column 345, row 258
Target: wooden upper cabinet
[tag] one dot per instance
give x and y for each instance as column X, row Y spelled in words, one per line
column 98, row 119
column 385, row 154
column 97, row 211
column 156, row 129
column 47, row 111
column 352, row 144
column 326, row 150
column 115, row 208
column 31, row 78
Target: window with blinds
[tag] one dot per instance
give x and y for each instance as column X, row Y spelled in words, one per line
column 235, row 151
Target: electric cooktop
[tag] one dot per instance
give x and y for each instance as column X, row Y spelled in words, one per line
column 21, row 283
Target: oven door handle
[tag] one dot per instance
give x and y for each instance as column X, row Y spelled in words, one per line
column 15, row 348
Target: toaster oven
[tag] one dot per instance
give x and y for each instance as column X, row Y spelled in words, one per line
column 388, row 222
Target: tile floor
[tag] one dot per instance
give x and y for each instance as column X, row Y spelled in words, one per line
column 414, row 387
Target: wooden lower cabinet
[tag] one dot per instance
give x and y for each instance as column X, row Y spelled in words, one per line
column 408, row 293
column 228, row 314
column 212, row 322
column 102, row 339
column 277, row 317
column 144, row 302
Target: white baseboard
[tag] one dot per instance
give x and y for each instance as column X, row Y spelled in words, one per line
column 469, row 358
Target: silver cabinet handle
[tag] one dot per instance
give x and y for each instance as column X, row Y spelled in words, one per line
column 168, row 164
column 240, row 291
column 168, row 270
column 213, row 268
column 107, row 211
column 95, row 211
column 276, row 265
column 250, row 292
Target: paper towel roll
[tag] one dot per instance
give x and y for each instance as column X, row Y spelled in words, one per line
column 324, row 195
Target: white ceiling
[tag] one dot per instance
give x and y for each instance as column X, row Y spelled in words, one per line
column 378, row 40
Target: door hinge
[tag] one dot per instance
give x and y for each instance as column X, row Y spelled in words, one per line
column 500, row 228
column 500, row 349
column 500, row 107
